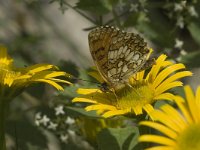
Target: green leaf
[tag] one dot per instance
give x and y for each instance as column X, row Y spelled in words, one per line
column 77, row 112
column 194, row 29
column 26, row 134
column 154, row 27
column 191, row 60
column 95, row 6
column 118, row 138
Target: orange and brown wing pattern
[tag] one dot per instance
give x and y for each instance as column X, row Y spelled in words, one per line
column 99, row 43
column 117, row 54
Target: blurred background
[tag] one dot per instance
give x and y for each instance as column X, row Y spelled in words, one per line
column 55, row 32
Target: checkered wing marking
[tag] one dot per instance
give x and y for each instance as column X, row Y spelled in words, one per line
column 117, row 54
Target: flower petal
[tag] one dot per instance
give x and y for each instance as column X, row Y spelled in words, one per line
column 191, row 103
column 173, row 78
column 85, row 100
column 54, row 84
column 160, row 127
column 113, row 113
column 156, row 139
column 166, row 72
column 164, row 87
column 165, row 96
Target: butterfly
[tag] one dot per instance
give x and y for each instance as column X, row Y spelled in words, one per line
column 118, row 54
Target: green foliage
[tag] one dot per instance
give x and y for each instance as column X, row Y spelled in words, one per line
column 118, row 138
column 194, row 29
column 79, row 112
column 99, row 7
column 192, row 59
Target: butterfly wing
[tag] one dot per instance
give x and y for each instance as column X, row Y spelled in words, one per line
column 117, row 54
column 99, row 43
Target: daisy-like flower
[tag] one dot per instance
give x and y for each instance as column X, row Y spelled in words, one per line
column 13, row 80
column 180, row 127
column 146, row 88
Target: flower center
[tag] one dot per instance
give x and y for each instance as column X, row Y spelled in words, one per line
column 190, row 138
column 135, row 96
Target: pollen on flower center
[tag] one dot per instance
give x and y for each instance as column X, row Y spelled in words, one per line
column 190, row 138
column 135, row 97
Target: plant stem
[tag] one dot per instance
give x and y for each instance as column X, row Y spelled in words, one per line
column 3, row 110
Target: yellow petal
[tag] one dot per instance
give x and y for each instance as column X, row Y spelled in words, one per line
column 157, row 139
column 54, row 74
column 39, row 67
column 164, row 96
column 166, row 72
column 57, row 86
column 198, row 98
column 100, row 106
column 88, row 91
column 155, row 69
column 180, row 102
column 164, row 87
column 85, row 100
column 177, row 117
column 174, row 77
column 59, row 80
column 113, row 113
column 165, row 119
column 160, row 127
column 148, row 108
column 191, row 103
column 161, row 148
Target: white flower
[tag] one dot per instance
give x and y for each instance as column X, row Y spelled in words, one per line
column 64, row 138
column 37, row 122
column 69, row 120
column 183, row 52
column 71, row 133
column 59, row 110
column 134, row 7
column 192, row 11
column 38, row 116
column 178, row 7
column 44, row 120
column 180, row 22
column 178, row 43
column 52, row 126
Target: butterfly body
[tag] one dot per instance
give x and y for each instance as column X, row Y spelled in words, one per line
column 117, row 54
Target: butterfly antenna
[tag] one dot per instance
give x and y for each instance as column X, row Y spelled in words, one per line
column 79, row 79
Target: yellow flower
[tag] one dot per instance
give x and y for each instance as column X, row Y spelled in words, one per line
column 13, row 80
column 145, row 88
column 181, row 128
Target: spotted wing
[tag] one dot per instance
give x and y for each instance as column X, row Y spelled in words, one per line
column 99, row 43
column 117, row 54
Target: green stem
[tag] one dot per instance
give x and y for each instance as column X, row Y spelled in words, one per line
column 3, row 109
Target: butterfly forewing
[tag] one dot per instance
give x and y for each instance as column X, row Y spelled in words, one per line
column 117, row 54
